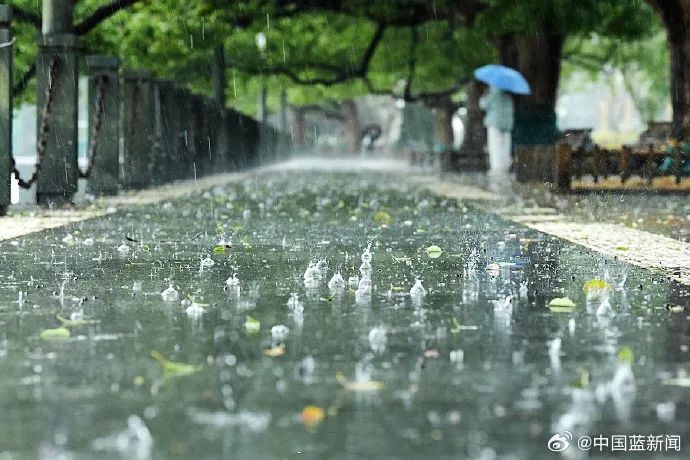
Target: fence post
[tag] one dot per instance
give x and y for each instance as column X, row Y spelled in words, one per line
column 138, row 128
column 220, row 139
column 624, row 158
column 561, row 175
column 104, row 86
column 204, row 152
column 159, row 156
column 57, row 75
column 6, row 51
column 186, row 134
column 169, row 155
column 678, row 162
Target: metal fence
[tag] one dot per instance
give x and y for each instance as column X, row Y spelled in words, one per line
column 142, row 131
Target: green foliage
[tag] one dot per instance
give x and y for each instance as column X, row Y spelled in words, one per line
column 643, row 64
column 623, row 19
column 423, row 48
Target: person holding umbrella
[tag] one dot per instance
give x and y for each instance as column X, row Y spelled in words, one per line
column 500, row 111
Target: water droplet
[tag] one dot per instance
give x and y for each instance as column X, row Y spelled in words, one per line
column 337, row 283
column 170, row 294
column 279, row 332
column 417, row 292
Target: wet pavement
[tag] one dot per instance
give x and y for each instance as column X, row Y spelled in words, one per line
column 211, row 326
column 666, row 214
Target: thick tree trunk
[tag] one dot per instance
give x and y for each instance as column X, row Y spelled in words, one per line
column 686, row 74
column 261, row 111
column 353, row 129
column 299, row 128
column 283, row 110
column 475, row 133
column 538, row 57
column 676, row 17
column 677, row 74
column 218, row 75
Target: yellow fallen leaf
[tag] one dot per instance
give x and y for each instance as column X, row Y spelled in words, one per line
column 59, row 333
column 457, row 327
column 363, row 386
column 75, row 322
column 312, row 416
column 595, row 285
column 278, row 350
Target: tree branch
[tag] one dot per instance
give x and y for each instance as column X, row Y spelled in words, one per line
column 341, row 74
column 412, row 63
column 328, row 113
column 26, row 16
column 101, row 14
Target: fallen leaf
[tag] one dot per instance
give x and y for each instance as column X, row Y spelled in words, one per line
column 363, row 386
column 457, row 327
column 582, row 381
column 434, row 252
column 75, row 322
column 561, row 305
column 252, row 325
column 595, row 285
column 312, row 416
column 273, row 352
column 59, row 333
column 431, row 354
column 678, row 382
column 382, row 217
column 174, row 368
column 625, row 355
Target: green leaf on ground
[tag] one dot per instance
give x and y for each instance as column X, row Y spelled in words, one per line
column 382, row 217
column 252, row 325
column 561, row 305
column 434, row 252
column 582, row 380
column 75, row 322
column 59, row 333
column 172, row 368
column 625, row 355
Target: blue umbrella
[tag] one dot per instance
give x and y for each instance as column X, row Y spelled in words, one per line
column 503, row 77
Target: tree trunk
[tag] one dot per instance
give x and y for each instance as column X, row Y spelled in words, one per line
column 538, row 57
column 261, row 113
column 353, row 130
column 676, row 17
column 299, row 128
column 443, row 110
column 283, row 110
column 475, row 133
column 218, row 75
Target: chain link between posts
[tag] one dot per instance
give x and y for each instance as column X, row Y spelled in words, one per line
column 96, row 123
column 46, row 117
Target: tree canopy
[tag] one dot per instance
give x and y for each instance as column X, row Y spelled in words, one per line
column 327, row 49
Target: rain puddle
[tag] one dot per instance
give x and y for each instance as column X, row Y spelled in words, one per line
column 327, row 316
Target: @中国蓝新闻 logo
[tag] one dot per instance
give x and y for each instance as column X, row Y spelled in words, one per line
column 559, row 441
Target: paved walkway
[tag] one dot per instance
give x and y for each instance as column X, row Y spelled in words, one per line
column 608, row 224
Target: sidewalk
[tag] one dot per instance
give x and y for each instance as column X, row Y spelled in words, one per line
column 650, row 231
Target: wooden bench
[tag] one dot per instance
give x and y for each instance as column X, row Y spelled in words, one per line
column 624, row 162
